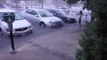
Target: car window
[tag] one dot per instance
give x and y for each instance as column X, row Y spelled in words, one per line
column 45, row 14
column 35, row 13
column 53, row 12
column 17, row 16
column 29, row 11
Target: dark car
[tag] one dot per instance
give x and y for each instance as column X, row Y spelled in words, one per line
column 62, row 15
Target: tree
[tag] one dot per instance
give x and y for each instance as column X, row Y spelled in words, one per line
column 93, row 42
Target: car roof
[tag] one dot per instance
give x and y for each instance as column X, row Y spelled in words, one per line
column 7, row 10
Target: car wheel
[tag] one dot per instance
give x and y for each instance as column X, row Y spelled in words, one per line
column 42, row 24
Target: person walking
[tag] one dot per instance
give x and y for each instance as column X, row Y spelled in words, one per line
column 80, row 13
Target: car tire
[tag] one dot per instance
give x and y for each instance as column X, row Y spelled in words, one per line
column 42, row 24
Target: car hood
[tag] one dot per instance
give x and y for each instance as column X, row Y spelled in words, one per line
column 19, row 24
column 50, row 19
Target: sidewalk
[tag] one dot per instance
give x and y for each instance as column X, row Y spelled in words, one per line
column 60, row 45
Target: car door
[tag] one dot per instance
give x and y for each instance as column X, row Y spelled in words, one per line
column 35, row 16
column 28, row 14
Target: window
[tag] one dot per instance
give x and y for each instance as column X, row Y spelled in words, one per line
column 18, row 16
column 34, row 12
column 45, row 14
column 29, row 11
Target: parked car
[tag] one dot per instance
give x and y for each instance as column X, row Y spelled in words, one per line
column 43, row 17
column 20, row 25
column 62, row 15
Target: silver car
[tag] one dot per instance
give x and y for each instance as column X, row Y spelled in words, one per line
column 20, row 25
column 43, row 17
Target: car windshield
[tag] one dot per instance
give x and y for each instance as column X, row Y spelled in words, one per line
column 17, row 16
column 61, row 12
column 45, row 14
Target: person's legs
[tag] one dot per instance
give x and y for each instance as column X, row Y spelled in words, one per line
column 79, row 22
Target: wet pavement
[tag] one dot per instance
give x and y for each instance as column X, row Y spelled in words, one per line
column 60, row 45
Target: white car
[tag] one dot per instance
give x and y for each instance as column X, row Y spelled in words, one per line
column 20, row 25
column 43, row 17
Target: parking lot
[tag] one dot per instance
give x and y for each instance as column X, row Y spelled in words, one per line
column 38, row 39
column 37, row 32
column 46, row 47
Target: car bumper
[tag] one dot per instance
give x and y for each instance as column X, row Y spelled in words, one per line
column 56, row 25
column 20, row 32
